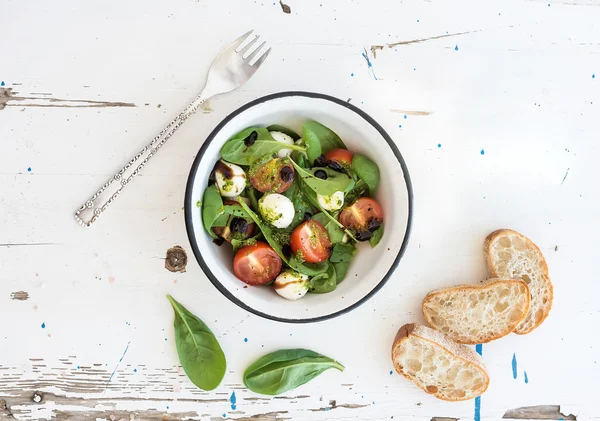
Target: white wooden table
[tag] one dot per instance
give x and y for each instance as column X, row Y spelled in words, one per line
column 494, row 105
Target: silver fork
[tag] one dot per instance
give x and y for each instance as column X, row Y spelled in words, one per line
column 229, row 71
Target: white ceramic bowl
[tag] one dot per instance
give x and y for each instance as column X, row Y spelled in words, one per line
column 370, row 268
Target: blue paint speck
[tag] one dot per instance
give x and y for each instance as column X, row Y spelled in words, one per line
column 414, row 68
column 224, row 415
column 167, row 406
column 593, row 76
column 526, row 378
column 245, row 339
column 456, row 48
column 352, row 74
column 29, row 169
column 477, row 410
column 405, row 116
column 290, row 334
column 373, row 403
column 165, row 339
column 262, row 346
column 514, row 366
column 233, row 401
column 391, row 372
column 439, row 145
column 479, row 349
column 418, row 21
column 135, row 370
column 369, row 64
column 548, row 4
column 43, row 325
column 2, row 83
column 78, row 367
column 482, row 152
column 400, row 125
column 327, row 409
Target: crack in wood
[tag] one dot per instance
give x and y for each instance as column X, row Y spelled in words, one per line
column 7, row 95
column 419, row 40
column 539, row 412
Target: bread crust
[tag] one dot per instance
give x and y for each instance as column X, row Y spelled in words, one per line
column 442, row 341
column 489, row 283
column 490, row 239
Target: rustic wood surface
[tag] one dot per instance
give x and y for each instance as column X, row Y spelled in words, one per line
column 494, row 105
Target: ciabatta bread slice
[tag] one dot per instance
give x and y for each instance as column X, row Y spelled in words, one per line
column 437, row 364
column 512, row 255
column 476, row 314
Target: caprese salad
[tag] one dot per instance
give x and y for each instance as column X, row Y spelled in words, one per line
column 293, row 207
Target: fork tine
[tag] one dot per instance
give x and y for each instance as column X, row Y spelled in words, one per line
column 261, row 59
column 253, row 53
column 235, row 44
column 250, row 44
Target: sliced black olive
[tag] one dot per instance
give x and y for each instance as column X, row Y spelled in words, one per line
column 219, row 241
column 373, row 224
column 249, row 141
column 321, row 174
column 336, row 166
column 286, row 173
column 287, row 251
column 307, row 216
column 238, row 225
column 321, row 161
column 363, row 235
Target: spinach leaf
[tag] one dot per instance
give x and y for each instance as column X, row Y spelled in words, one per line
column 367, row 170
column 324, row 282
column 300, row 202
column 269, row 234
column 253, row 195
column 360, row 188
column 336, row 234
column 335, row 181
column 212, row 208
column 282, row 129
column 376, row 238
column 236, row 151
column 341, row 269
column 319, row 139
column 199, row 351
column 285, row 370
column 342, row 253
column 300, row 158
column 263, row 134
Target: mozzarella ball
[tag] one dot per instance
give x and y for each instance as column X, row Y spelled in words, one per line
column 333, row 202
column 283, row 138
column 276, row 209
column 230, row 179
column 291, row 285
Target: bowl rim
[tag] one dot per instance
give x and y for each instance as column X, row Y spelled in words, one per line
column 192, row 176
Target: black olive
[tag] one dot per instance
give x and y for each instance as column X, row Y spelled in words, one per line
column 249, row 141
column 286, row 173
column 307, row 216
column 373, row 224
column 363, row 235
column 286, row 250
column 321, row 174
column 238, row 225
column 335, row 166
column 219, row 241
column 321, row 161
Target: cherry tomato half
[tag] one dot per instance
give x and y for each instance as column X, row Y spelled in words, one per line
column 340, row 155
column 274, row 176
column 363, row 215
column 312, row 240
column 257, row 264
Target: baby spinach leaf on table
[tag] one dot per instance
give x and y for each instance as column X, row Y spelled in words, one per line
column 212, row 208
column 285, row 370
column 319, row 139
column 335, row 181
column 269, row 234
column 336, row 234
column 367, row 170
column 377, row 235
column 324, row 282
column 236, row 151
column 285, row 130
column 199, row 351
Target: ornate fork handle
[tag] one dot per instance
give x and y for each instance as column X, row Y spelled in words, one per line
column 95, row 205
